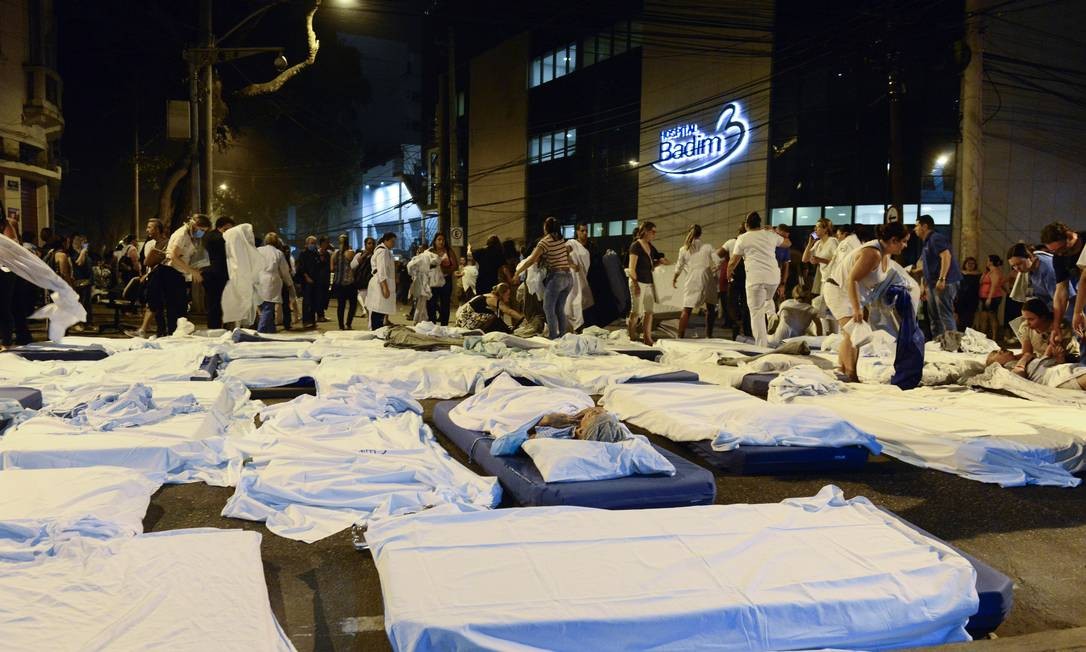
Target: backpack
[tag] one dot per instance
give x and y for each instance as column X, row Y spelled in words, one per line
column 364, row 273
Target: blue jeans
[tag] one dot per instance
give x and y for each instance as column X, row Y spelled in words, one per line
column 940, row 307
column 265, row 321
column 556, row 288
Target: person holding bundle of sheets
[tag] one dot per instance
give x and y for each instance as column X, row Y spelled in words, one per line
column 553, row 249
column 700, row 288
column 853, row 285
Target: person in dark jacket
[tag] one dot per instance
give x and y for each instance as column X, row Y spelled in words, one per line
column 309, row 262
column 324, row 277
column 215, row 275
column 489, row 260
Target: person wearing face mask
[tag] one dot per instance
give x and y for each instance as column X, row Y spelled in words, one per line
column 179, row 252
column 309, row 262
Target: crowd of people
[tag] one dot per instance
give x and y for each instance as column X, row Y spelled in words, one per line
column 562, row 285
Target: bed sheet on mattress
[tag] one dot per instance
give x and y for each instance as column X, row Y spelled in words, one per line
column 741, row 577
column 694, row 412
column 590, row 373
column 243, row 350
column 700, row 356
column 40, row 508
column 257, row 373
column 978, row 435
column 309, row 482
column 426, row 374
column 184, row 590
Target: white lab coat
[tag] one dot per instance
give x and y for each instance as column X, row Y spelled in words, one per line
column 699, row 260
column 384, row 269
column 243, row 263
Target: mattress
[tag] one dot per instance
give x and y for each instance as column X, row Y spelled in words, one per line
column 757, row 384
column 61, row 353
column 28, row 397
column 691, row 484
column 426, row 374
column 184, row 590
column 782, row 460
column 592, row 373
column 734, row 577
column 257, row 373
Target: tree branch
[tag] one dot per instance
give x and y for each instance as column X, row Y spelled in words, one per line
column 264, row 88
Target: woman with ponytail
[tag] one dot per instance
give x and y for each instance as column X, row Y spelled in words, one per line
column 699, row 289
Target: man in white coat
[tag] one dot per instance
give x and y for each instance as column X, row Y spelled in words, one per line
column 580, row 297
column 381, row 292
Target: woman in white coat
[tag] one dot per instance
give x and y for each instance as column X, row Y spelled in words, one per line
column 699, row 289
column 580, row 297
column 381, row 292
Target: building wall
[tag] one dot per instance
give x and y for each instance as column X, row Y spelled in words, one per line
column 684, row 82
column 1034, row 138
column 497, row 142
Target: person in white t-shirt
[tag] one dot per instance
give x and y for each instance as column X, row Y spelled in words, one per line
column 180, row 249
column 757, row 248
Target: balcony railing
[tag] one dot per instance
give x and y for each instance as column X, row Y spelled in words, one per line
column 44, row 91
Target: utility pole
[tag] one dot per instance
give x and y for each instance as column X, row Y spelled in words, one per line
column 206, row 163
column 194, row 142
column 897, row 172
column 971, row 161
column 136, row 176
column 452, row 105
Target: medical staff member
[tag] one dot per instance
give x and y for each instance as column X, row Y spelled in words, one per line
column 757, row 249
column 852, row 285
column 697, row 258
column 381, row 292
column 172, row 277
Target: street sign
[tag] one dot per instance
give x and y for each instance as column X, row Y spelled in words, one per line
column 177, row 120
column 456, row 236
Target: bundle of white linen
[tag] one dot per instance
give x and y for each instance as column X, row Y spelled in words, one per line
column 805, row 380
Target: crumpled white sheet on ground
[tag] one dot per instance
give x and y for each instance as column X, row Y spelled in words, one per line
column 65, row 310
column 183, row 590
column 573, row 345
column 132, row 407
column 700, row 356
column 426, row 374
column 731, row 577
column 977, row 342
column 437, row 330
column 310, row 482
column 170, row 362
column 577, row 460
column 999, row 378
column 246, row 350
column 695, row 412
column 876, row 363
column 40, row 509
column 344, row 347
column 590, row 374
column 255, row 373
column 977, row 435
column 806, row 380
column 342, row 406
column 505, row 406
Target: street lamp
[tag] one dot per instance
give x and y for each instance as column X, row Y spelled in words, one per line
column 223, row 187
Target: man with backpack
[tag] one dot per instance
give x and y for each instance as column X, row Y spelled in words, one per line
column 363, row 270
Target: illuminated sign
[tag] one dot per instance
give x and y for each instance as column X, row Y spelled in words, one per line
column 685, row 149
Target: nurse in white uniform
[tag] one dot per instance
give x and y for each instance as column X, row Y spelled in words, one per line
column 381, row 292
column 700, row 263
column 852, row 283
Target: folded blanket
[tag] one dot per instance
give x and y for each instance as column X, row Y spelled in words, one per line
column 806, row 380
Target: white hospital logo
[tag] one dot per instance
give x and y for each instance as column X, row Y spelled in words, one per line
column 685, row 149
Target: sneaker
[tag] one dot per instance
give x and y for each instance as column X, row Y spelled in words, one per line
column 136, row 333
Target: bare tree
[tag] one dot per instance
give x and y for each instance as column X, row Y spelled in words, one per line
column 263, row 88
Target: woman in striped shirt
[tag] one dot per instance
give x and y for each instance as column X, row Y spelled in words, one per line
column 554, row 250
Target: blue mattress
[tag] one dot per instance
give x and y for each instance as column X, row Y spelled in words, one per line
column 74, row 353
column 782, row 460
column 304, row 385
column 28, row 397
column 995, row 590
column 241, row 336
column 757, row 384
column 680, row 376
column 691, row 484
column 211, row 365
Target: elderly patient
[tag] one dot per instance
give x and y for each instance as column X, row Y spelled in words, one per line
column 590, row 424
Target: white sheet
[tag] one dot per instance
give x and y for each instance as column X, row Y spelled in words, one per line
column 310, row 482
column 256, row 373
column 40, row 508
column 239, row 298
column 694, row 412
column 506, row 406
column 977, row 435
column 65, row 309
column 591, row 374
column 807, row 573
column 184, row 590
column 700, row 356
column 241, row 350
column 343, row 406
column 437, row 374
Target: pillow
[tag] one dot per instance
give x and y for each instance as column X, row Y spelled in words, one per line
column 577, row 460
column 789, row 425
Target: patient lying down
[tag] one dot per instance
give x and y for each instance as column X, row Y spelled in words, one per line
column 590, row 424
column 1048, row 371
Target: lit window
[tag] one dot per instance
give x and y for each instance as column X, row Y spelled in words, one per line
column 572, row 50
column 548, row 67
column 568, row 231
column 571, row 142
column 910, row 212
column 781, row 216
column 533, row 149
column 614, row 228
column 545, row 150
column 535, row 73
column 839, row 214
column 559, row 144
column 870, row 214
column 808, row 215
column 597, row 229
column 631, row 226
column 940, row 213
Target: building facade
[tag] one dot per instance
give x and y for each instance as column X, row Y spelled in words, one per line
column 31, row 121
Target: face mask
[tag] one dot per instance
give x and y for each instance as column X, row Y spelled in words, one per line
column 199, row 233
